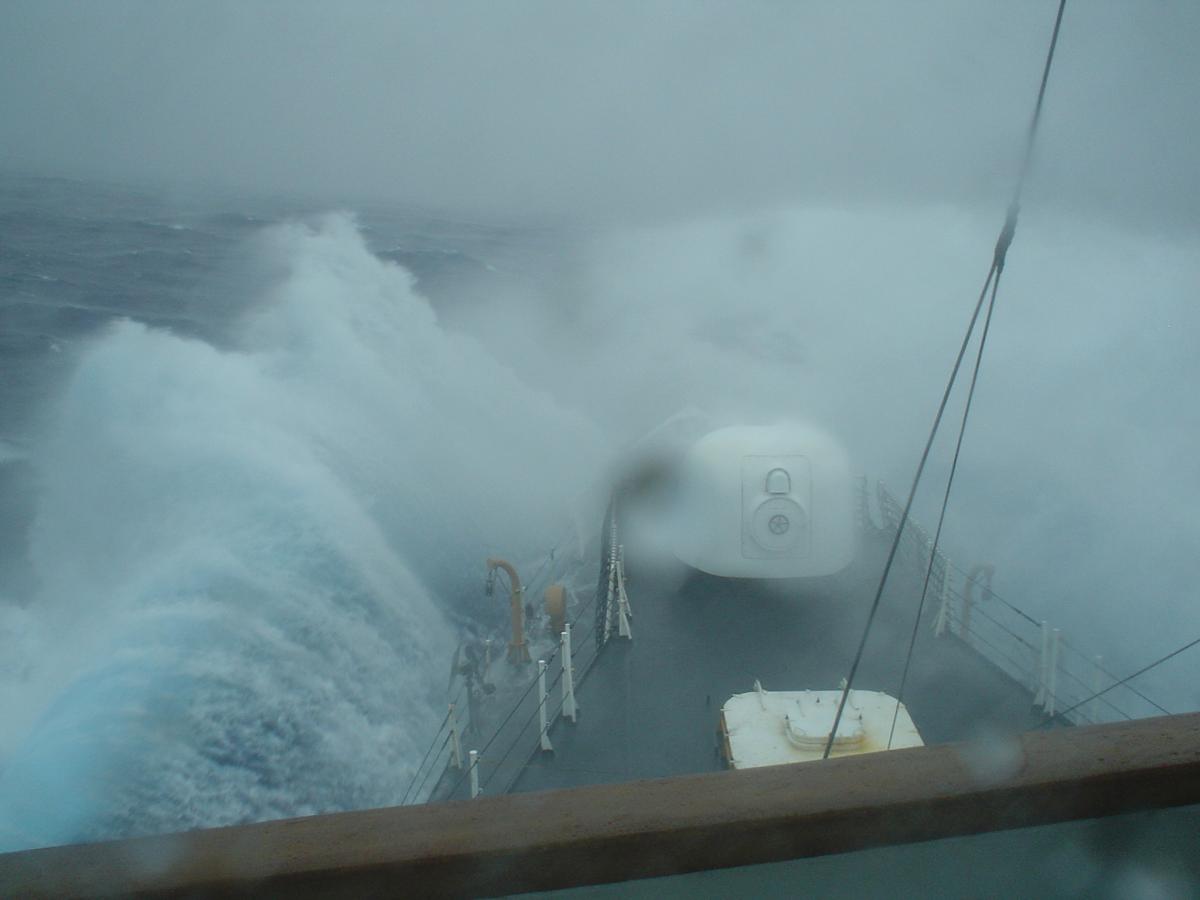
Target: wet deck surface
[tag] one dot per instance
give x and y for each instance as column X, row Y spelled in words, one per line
column 649, row 707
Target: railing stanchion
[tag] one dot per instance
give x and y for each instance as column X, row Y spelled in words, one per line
column 1052, row 678
column 611, row 602
column 943, row 615
column 1039, row 699
column 455, row 741
column 474, row 764
column 569, row 710
column 964, row 625
column 543, row 726
column 624, row 628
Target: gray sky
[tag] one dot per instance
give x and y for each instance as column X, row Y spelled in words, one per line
column 805, row 197
column 627, row 111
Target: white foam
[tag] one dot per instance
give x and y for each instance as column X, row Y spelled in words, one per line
column 244, row 555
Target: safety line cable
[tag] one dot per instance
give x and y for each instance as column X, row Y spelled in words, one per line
column 984, row 614
column 1105, row 672
column 433, row 768
column 550, row 717
column 428, row 752
column 537, row 708
column 990, row 592
column 1141, row 671
column 998, row 258
column 524, row 694
column 453, row 706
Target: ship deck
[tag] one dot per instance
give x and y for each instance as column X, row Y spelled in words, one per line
column 649, row 707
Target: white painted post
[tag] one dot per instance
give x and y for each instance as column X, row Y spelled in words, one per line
column 474, row 757
column 569, row 710
column 1052, row 681
column 943, row 617
column 455, row 742
column 624, row 628
column 964, row 623
column 611, row 602
column 543, row 725
column 1039, row 699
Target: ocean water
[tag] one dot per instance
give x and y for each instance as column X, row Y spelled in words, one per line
column 248, row 484
column 254, row 452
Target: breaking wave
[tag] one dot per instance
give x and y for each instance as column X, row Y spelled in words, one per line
column 249, row 559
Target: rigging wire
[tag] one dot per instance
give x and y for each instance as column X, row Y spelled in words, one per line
column 521, row 699
column 432, row 768
column 428, row 753
column 1103, row 671
column 549, row 559
column 550, row 717
column 962, row 430
column 1036, row 119
column 998, row 258
column 887, row 566
column 1141, row 671
column 990, row 592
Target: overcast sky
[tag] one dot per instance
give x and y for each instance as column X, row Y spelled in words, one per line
column 627, row 111
column 803, row 199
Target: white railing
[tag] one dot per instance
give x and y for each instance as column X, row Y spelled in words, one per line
column 1061, row 678
column 510, row 718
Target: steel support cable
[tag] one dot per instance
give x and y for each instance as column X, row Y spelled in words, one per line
column 495, row 734
column 512, row 712
column 447, row 719
column 1087, row 687
column 991, row 593
column 1036, row 118
column 1141, row 671
column 517, row 737
column 983, row 614
column 1107, row 674
column 1065, row 643
column 1016, row 664
column 1129, row 687
column 550, row 717
column 552, row 656
column 891, row 557
column 975, row 635
column 431, row 769
column 425, row 758
column 433, row 744
column 998, row 268
column 998, row 258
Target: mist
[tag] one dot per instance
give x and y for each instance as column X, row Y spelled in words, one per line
column 758, row 212
column 1080, row 443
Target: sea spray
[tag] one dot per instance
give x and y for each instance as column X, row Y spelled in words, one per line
column 246, row 557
